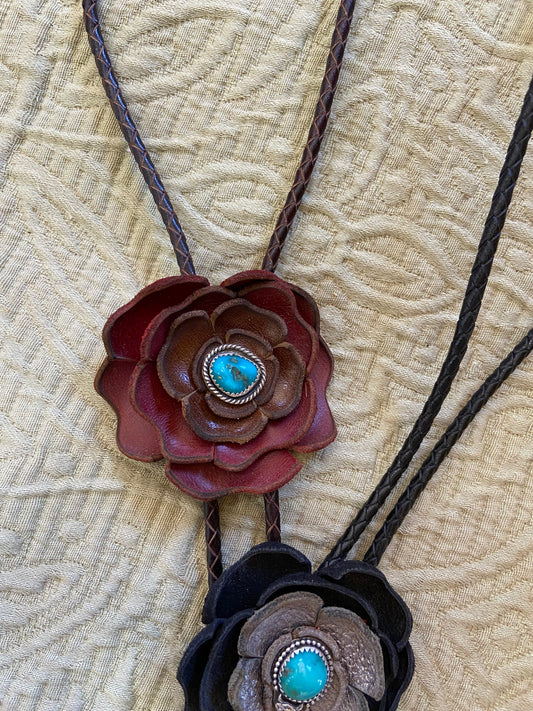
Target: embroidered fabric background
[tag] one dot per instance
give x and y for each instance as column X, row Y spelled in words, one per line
column 102, row 560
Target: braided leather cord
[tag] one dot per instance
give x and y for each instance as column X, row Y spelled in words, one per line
column 465, row 325
column 272, row 517
column 419, row 482
column 141, row 155
column 315, row 136
column 212, row 540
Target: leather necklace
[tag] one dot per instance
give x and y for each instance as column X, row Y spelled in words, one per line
column 224, row 383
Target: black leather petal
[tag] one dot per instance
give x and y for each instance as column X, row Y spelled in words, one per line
column 192, row 665
column 222, row 661
column 333, row 595
column 394, row 617
column 241, row 585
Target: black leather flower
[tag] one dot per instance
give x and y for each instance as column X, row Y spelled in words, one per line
column 281, row 638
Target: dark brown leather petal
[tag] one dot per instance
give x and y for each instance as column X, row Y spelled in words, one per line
column 123, row 330
column 186, row 336
column 231, row 412
column 213, row 428
column 272, row 371
column 239, row 314
column 253, row 341
column 178, row 442
column 282, row 302
column 278, row 434
column 206, row 299
column 207, row 481
column 198, row 361
column 288, row 387
column 136, row 437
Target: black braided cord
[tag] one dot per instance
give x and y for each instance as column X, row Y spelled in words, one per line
column 465, row 325
column 418, row 483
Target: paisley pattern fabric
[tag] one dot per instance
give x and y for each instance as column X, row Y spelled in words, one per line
column 102, row 572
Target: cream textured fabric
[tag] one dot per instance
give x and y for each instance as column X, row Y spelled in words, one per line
column 102, row 560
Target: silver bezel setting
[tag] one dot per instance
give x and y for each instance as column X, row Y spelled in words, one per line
column 306, row 644
column 250, row 392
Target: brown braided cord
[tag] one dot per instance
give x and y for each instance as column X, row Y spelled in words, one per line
column 272, row 517
column 419, row 482
column 212, row 540
column 315, row 136
column 465, row 325
column 141, row 155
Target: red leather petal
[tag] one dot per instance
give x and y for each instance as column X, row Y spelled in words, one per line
column 247, row 278
column 178, row 441
column 283, row 303
column 214, row 428
column 207, row 481
column 288, row 388
column 155, row 335
column 242, row 315
column 323, row 430
column 175, row 361
column 278, row 434
column 307, row 307
column 136, row 438
column 124, row 329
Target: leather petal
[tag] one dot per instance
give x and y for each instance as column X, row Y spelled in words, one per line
column 278, row 617
column 225, row 410
column 222, row 661
column 240, row 281
column 245, row 688
column 213, row 428
column 175, row 360
column 289, row 383
column 193, row 663
column 278, row 434
column 123, row 330
column 239, row 314
column 253, row 341
column 136, row 438
column 361, row 651
column 156, row 333
column 282, row 302
column 207, row 481
column 323, row 430
column 307, row 307
column 179, row 443
column 241, row 585
column 394, row 617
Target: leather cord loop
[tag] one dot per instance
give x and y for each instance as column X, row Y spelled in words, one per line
column 131, row 134
column 419, row 482
column 465, row 325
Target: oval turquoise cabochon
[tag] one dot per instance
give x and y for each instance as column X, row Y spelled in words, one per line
column 233, row 373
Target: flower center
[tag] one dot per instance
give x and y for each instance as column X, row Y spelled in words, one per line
column 233, row 373
column 302, row 671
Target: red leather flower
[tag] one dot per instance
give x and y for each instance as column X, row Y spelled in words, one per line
column 221, row 381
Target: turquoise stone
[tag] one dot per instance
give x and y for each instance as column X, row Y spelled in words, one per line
column 304, row 675
column 233, row 373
